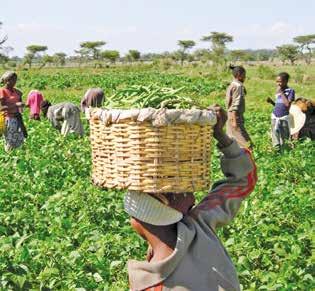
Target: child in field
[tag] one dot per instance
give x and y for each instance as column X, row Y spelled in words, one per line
column 63, row 116
column 235, row 104
column 184, row 250
column 280, row 127
column 34, row 99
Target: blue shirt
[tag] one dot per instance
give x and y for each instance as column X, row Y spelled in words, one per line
column 280, row 109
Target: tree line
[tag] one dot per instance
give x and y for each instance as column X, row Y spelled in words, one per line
column 92, row 53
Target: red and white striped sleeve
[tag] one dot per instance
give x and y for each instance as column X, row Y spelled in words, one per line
column 223, row 201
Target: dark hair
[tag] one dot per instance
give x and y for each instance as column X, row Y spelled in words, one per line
column 7, row 76
column 44, row 106
column 284, row 76
column 237, row 70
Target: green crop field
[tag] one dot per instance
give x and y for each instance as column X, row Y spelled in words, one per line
column 59, row 232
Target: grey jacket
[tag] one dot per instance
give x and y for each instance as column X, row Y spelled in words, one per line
column 65, row 117
column 200, row 261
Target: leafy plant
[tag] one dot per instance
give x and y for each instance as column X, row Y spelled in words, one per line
column 59, row 232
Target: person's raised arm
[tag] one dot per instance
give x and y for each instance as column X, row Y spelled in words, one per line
column 224, row 199
column 286, row 100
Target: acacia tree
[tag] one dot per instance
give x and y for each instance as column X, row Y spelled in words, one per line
column 93, row 48
column 59, row 59
column 110, row 55
column 218, row 44
column 240, row 55
column 46, row 59
column 305, row 42
column 288, row 52
column 202, row 55
column 33, row 51
column 184, row 46
column 83, row 55
column 133, row 55
column 3, row 54
column 4, row 39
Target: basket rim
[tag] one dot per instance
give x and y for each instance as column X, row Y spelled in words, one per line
column 158, row 117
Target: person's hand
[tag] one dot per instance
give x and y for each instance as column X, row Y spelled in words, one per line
column 269, row 100
column 221, row 118
column 3, row 108
column 19, row 104
column 218, row 133
column 279, row 90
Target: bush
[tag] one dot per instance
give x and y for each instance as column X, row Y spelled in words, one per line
column 265, row 72
column 298, row 75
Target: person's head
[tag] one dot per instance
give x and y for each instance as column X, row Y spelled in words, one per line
column 44, row 107
column 282, row 80
column 238, row 72
column 8, row 79
column 154, row 212
column 94, row 97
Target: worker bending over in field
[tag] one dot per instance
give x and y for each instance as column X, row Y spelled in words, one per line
column 33, row 101
column 64, row 116
column 184, row 250
column 235, row 104
column 280, row 120
column 94, row 97
column 11, row 107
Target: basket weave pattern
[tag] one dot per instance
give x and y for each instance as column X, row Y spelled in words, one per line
column 138, row 156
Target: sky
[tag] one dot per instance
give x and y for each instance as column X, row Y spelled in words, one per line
column 152, row 26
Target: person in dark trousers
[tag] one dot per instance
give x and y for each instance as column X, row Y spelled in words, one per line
column 184, row 251
column 235, row 105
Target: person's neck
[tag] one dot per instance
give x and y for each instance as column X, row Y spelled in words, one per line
column 8, row 88
column 237, row 80
column 162, row 241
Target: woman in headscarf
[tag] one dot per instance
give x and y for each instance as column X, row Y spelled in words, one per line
column 94, row 97
column 11, row 104
column 63, row 116
column 34, row 99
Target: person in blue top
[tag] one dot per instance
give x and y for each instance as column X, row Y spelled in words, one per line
column 280, row 120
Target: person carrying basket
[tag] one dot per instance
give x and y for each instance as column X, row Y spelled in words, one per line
column 184, row 251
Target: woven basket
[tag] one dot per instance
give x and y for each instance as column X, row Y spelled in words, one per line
column 136, row 155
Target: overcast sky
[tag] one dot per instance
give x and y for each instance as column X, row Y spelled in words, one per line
column 152, row 25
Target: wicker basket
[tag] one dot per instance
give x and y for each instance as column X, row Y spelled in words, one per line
column 136, row 155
